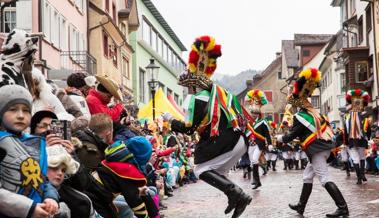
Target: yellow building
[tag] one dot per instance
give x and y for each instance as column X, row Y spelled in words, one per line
column 109, row 24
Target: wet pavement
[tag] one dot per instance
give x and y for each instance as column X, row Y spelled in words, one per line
column 278, row 188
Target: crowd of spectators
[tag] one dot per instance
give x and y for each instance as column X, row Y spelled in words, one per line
column 77, row 152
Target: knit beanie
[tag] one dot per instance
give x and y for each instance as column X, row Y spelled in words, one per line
column 76, row 80
column 137, row 150
column 14, row 94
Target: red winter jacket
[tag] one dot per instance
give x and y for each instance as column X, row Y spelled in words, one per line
column 97, row 105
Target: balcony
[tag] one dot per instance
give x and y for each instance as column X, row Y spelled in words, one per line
column 72, row 62
column 78, row 61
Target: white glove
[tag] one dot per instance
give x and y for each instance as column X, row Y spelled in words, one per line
column 279, row 138
column 166, row 116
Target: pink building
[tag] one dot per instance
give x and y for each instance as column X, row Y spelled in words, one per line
column 63, row 48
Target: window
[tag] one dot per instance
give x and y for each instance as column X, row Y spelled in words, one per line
column 343, row 82
column 315, row 100
column 159, row 46
column 268, row 95
column 62, row 34
column 114, row 12
column 306, row 53
column 176, row 98
column 105, row 45
column 47, row 21
column 146, row 29
column 164, row 51
column 352, row 6
column 280, row 75
column 161, row 85
column 153, row 42
column 142, row 78
column 368, row 18
column 114, row 55
column 360, row 29
column 169, row 92
column 107, row 6
column 9, row 22
column 125, row 67
column 55, row 29
column 361, row 71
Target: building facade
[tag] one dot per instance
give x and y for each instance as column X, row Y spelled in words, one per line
column 270, row 81
column 63, row 28
column 155, row 39
column 358, row 48
column 110, row 23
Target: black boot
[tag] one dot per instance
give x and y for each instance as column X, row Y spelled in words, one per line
column 273, row 165
column 304, row 196
column 303, row 163
column 285, row 164
column 357, row 171
column 244, row 173
column 363, row 168
column 249, row 173
column 256, row 181
column 297, row 165
column 264, row 168
column 268, row 165
column 347, row 168
column 235, row 194
column 340, row 202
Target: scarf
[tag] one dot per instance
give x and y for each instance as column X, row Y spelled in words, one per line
column 327, row 134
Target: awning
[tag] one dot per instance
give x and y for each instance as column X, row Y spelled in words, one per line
column 162, row 105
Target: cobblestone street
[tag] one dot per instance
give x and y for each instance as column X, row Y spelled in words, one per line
column 278, row 189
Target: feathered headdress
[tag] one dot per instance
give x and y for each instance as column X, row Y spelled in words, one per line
column 357, row 98
column 255, row 98
column 202, row 63
column 273, row 125
column 308, row 81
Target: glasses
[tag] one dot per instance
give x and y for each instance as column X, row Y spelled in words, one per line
column 44, row 125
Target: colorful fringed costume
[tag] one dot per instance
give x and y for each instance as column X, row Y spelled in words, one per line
column 357, row 130
column 218, row 118
column 254, row 100
column 315, row 135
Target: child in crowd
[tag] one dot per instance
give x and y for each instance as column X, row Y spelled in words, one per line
column 24, row 190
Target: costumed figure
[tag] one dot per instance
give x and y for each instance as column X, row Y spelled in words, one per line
column 255, row 99
column 344, row 152
column 357, row 130
column 285, row 148
column 214, row 113
column 272, row 151
column 315, row 135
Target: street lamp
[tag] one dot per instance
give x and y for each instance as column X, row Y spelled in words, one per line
column 153, row 71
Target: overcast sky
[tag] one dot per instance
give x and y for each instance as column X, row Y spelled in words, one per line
column 250, row 31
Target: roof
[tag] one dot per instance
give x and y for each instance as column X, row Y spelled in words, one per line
column 336, row 3
column 163, row 23
column 290, row 53
column 312, row 39
column 269, row 69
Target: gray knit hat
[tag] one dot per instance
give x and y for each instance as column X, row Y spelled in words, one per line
column 14, row 94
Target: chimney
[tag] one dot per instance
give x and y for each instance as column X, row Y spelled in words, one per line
column 249, row 84
column 278, row 54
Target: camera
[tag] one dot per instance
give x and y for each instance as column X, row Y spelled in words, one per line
column 61, row 128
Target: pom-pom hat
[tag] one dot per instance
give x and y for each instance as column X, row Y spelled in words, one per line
column 358, row 99
column 201, row 63
column 255, row 99
column 308, row 81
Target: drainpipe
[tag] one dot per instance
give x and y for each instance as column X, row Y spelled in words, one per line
column 375, row 49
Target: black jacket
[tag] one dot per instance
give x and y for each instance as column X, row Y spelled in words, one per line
column 208, row 147
column 362, row 142
column 263, row 130
column 301, row 131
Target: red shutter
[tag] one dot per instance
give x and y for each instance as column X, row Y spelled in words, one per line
column 105, row 44
column 268, row 95
column 276, row 117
